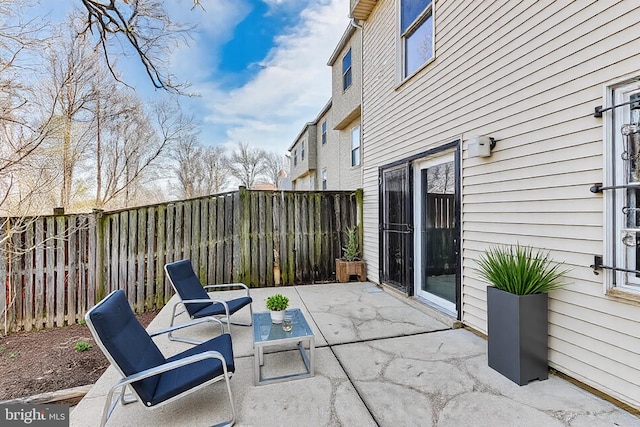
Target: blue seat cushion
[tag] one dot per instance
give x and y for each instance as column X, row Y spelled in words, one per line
column 187, row 284
column 126, row 341
column 179, row 380
column 217, row 308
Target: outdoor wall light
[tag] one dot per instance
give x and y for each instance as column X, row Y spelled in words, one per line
column 481, row 146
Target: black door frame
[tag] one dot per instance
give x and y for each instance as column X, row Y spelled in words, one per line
column 408, row 163
column 406, row 232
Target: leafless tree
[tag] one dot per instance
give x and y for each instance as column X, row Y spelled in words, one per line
column 217, row 172
column 130, row 149
column 440, row 178
column 73, row 67
column 16, row 38
column 24, row 126
column 274, row 165
column 144, row 26
column 246, row 164
column 200, row 170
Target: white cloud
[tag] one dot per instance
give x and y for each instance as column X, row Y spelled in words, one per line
column 294, row 82
column 213, row 28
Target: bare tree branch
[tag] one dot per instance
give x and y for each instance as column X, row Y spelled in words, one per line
column 145, row 26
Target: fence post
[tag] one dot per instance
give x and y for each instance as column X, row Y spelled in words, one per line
column 244, row 216
column 99, row 287
column 360, row 217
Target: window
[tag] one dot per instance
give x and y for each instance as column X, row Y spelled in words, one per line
column 623, row 205
column 324, row 179
column 416, row 32
column 295, row 157
column 302, row 151
column 324, row 132
column 355, row 146
column 346, row 70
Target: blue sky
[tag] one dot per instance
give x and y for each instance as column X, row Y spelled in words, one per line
column 258, row 65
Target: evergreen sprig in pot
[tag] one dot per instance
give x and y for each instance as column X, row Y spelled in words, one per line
column 350, row 264
column 517, row 309
column 277, row 304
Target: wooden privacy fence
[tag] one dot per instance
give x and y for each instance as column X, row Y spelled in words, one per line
column 55, row 268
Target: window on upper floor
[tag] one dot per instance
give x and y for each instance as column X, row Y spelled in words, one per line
column 324, row 179
column 324, row 132
column 302, row 151
column 416, row 33
column 355, row 146
column 346, row 70
column 295, row 157
column 622, row 203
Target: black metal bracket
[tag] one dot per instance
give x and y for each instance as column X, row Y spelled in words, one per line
column 599, row 188
column 599, row 109
column 493, row 143
column 597, row 265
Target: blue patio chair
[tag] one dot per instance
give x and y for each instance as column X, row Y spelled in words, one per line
column 154, row 379
column 198, row 303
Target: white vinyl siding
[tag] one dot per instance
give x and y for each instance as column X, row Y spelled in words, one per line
column 529, row 75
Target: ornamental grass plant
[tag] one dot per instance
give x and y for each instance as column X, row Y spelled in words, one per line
column 520, row 270
column 352, row 250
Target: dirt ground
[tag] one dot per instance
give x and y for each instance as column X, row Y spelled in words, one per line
column 43, row 361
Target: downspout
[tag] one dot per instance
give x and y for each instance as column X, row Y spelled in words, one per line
column 354, row 23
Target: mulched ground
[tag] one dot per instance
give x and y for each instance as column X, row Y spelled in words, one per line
column 44, row 361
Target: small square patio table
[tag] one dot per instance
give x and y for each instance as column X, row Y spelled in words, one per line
column 267, row 334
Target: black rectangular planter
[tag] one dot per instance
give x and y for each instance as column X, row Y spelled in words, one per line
column 518, row 330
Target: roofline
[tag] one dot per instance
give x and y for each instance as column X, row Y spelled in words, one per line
column 304, row 128
column 326, row 108
column 361, row 9
column 346, row 36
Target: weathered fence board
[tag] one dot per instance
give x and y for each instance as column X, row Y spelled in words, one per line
column 28, row 280
column 4, row 290
column 54, row 268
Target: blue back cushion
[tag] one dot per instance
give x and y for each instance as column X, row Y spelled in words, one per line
column 129, row 345
column 187, row 284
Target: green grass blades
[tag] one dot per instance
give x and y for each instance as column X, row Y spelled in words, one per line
column 519, row 270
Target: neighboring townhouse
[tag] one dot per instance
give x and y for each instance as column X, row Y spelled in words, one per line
column 304, row 157
column 327, row 153
column 440, row 79
column 346, row 94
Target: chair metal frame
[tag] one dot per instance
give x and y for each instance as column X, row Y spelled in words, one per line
column 110, row 405
column 226, row 318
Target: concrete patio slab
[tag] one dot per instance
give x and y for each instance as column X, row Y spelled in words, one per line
column 442, row 378
column 381, row 360
column 350, row 312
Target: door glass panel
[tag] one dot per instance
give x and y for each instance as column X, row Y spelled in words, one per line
column 439, row 231
column 395, row 227
column 630, row 235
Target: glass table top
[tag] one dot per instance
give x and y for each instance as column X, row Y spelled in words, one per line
column 265, row 331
